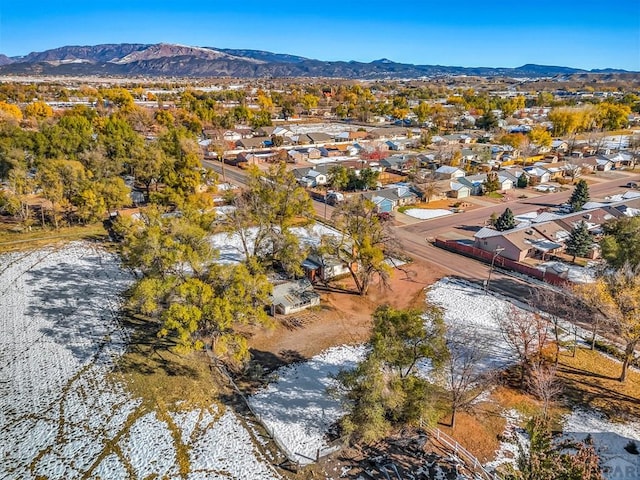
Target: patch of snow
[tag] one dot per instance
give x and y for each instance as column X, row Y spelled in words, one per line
column 230, row 244
column 225, row 446
column 149, row 448
column 609, row 440
column 426, row 214
column 512, row 436
column 467, row 306
column 297, row 409
column 573, row 273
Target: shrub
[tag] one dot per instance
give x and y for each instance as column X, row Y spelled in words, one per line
column 632, row 447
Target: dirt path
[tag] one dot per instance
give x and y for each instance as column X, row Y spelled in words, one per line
column 342, row 318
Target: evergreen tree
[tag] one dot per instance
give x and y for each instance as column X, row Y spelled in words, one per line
column 506, row 221
column 580, row 195
column 385, row 390
column 621, row 243
column 523, row 181
column 579, row 241
column 550, row 459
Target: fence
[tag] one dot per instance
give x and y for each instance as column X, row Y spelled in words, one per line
column 451, row 446
column 499, row 262
column 293, row 458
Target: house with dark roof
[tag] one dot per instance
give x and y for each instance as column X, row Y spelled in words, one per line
column 399, row 163
column 252, row 143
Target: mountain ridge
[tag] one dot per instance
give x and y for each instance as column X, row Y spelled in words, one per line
column 169, row 59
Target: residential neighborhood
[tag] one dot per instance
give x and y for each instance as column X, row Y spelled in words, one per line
column 363, row 270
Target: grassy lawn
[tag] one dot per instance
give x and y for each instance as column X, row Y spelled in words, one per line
column 163, row 378
column 590, row 380
column 11, row 240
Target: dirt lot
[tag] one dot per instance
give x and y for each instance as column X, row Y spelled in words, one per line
column 344, row 317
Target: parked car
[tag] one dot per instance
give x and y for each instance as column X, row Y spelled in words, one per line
column 631, row 185
column 565, row 208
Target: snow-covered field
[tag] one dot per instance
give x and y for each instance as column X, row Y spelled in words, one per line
column 426, row 214
column 62, row 414
column 609, row 439
column 469, row 308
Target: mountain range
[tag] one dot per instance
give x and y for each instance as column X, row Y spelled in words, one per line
column 173, row 60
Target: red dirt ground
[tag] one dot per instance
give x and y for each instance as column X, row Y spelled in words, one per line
column 343, row 317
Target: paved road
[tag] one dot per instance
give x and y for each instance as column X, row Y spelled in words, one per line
column 239, row 177
column 231, row 174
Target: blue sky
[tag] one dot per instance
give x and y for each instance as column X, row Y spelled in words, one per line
column 586, row 34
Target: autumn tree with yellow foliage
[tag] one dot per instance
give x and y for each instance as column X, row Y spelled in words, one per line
column 616, row 295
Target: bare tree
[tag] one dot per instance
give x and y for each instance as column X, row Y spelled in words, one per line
column 558, row 308
column 543, row 383
column 467, row 375
column 598, row 318
column 573, row 169
column 527, row 334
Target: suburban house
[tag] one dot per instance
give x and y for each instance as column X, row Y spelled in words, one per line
column 457, row 138
column 323, row 267
column 390, row 133
column 538, row 174
column 319, row 137
column 394, row 196
column 333, row 151
column 394, row 145
column 313, row 178
column 468, row 155
column 458, row 190
column 604, row 163
column 547, row 232
column 351, row 135
column 399, row 163
column 446, row 172
column 382, row 204
column 516, row 244
column 252, row 143
column 266, row 131
column 476, row 182
column 513, row 174
column 559, row 146
column 502, row 153
column 293, row 296
column 296, row 156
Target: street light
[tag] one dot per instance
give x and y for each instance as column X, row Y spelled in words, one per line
column 497, row 252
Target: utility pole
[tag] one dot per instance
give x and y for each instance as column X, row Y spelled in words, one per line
column 325, row 204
